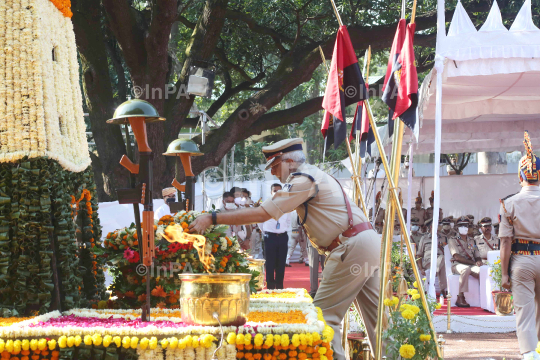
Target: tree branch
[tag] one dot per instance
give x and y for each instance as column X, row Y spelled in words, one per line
column 186, row 22
column 253, row 26
column 220, row 54
column 127, row 32
column 230, row 92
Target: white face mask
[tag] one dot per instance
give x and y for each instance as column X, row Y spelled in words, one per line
column 406, row 164
column 230, row 206
column 415, row 227
column 240, row 201
column 463, row 230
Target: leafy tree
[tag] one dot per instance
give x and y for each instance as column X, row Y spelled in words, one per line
column 264, row 53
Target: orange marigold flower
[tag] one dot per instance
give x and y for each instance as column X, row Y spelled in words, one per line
column 130, row 294
column 158, row 291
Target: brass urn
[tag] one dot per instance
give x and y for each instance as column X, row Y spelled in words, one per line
column 202, row 295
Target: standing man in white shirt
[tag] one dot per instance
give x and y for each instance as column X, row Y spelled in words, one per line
column 276, row 245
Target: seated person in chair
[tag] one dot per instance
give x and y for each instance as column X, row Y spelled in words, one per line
column 486, row 241
column 423, row 255
column 466, row 258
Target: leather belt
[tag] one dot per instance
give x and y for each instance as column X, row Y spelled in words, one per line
column 350, row 232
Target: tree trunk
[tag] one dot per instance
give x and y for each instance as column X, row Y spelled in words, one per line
column 99, row 99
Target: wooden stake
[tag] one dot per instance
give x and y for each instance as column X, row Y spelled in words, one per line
column 413, row 15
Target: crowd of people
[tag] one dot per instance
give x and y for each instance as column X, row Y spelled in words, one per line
column 468, row 243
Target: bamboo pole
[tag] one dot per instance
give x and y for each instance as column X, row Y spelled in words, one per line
column 407, row 239
column 337, row 13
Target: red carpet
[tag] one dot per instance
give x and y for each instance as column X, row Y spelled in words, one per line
column 297, row 276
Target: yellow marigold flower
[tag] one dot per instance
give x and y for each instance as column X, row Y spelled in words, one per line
column 423, row 279
column 208, row 339
column 409, row 292
column 231, row 338
column 117, row 340
column 144, row 343
column 71, row 341
column 17, row 344
column 408, row 314
column 42, row 344
column 164, row 343
column 9, row 346
column 414, row 292
column 134, row 341
column 309, row 339
column 438, row 306
column 33, row 345
column 194, row 342
column 425, row 337
column 415, row 309
column 87, row 340
column 269, row 340
column 407, row 351
column 240, row 339
column 395, row 301
column 277, row 340
column 52, row 344
column 2, row 346
column 247, row 339
column 322, row 350
column 295, row 340
column 126, row 342
column 416, row 296
column 107, row 340
column 303, row 339
column 152, row 344
column 415, row 284
column 316, row 336
column 62, row 341
column 259, row 339
column 25, row 344
column 173, row 343
column 388, row 302
column 323, row 357
column 96, row 339
column 328, row 334
column 285, row 340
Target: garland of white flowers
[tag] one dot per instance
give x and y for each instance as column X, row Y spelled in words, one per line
column 40, row 99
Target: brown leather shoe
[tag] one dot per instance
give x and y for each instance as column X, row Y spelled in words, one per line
column 460, row 302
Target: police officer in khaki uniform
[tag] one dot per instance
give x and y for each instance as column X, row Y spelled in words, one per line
column 416, row 236
column 418, row 211
column 520, row 242
column 429, row 210
column 446, row 232
column 466, row 259
column 380, row 213
column 298, row 237
column 486, row 241
column 334, row 225
column 423, row 256
column 474, row 229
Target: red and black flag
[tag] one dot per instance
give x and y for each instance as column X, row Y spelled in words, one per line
column 328, row 131
column 400, row 90
column 345, row 87
column 361, row 124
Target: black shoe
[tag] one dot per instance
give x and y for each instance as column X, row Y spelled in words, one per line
column 306, row 264
column 312, row 294
column 287, row 265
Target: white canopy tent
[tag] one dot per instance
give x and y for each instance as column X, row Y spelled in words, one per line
column 483, row 92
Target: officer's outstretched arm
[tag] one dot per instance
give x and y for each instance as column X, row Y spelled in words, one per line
column 238, row 217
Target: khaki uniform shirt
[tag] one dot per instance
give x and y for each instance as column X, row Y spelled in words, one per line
column 523, row 208
column 445, row 238
column 416, row 238
column 464, row 247
column 419, row 214
column 424, row 250
column 484, row 244
column 396, row 217
column 429, row 213
column 327, row 212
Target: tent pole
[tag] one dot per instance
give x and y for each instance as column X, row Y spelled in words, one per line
column 380, row 311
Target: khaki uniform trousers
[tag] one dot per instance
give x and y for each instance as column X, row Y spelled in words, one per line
column 525, row 276
column 441, row 271
column 314, row 260
column 351, row 271
column 464, row 271
column 298, row 238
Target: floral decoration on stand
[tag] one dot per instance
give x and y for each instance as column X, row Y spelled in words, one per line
column 121, row 253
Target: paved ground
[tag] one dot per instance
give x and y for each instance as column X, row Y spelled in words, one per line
column 481, row 346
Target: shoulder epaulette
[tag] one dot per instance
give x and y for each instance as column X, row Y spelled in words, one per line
column 509, row 196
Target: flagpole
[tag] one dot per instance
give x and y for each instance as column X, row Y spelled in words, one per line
column 355, row 178
column 337, row 13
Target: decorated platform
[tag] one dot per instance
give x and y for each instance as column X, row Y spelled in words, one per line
column 282, row 324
